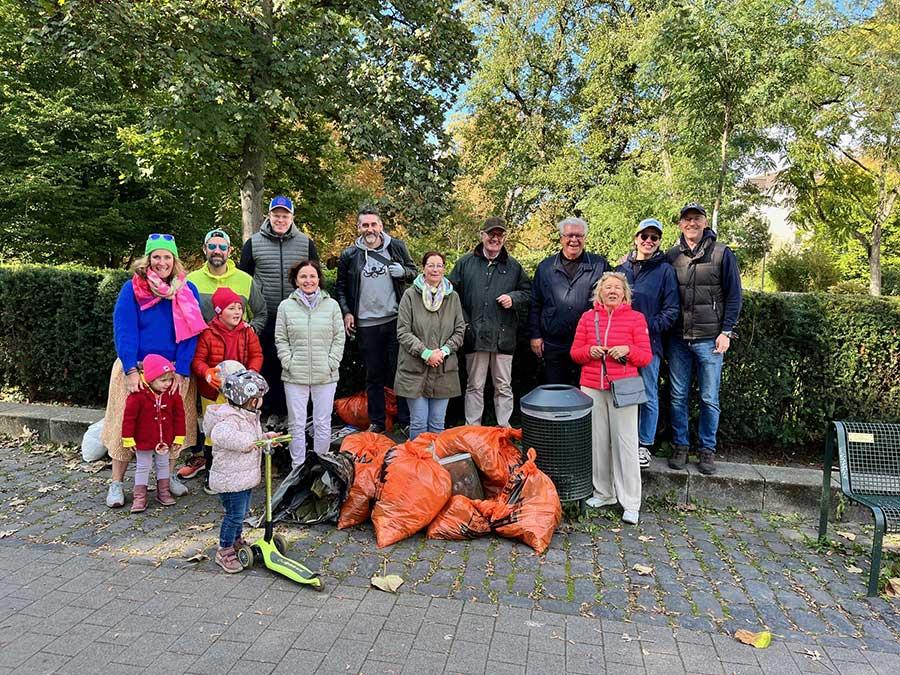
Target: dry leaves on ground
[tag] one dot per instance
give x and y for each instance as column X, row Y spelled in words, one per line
column 849, row 536
column 7, row 533
column 643, row 570
column 389, row 583
column 759, row 640
column 853, row 569
column 891, row 587
column 644, row 538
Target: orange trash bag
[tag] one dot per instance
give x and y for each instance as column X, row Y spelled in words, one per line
column 534, row 508
column 368, row 450
column 460, row 519
column 492, row 450
column 353, row 409
column 412, row 490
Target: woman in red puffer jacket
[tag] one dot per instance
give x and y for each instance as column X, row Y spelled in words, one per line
column 612, row 342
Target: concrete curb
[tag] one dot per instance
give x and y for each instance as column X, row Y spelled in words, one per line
column 745, row 487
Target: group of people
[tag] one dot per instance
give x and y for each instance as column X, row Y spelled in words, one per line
column 175, row 332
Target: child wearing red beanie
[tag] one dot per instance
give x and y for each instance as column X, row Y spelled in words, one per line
column 227, row 338
column 153, row 423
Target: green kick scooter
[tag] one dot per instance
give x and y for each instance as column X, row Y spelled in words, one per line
column 271, row 548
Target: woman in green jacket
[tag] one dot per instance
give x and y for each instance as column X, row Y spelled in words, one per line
column 430, row 330
column 309, row 338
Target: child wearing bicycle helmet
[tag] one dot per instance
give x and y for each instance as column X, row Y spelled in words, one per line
column 234, row 428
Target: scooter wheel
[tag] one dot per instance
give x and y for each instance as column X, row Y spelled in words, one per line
column 246, row 556
column 280, row 544
column 319, row 587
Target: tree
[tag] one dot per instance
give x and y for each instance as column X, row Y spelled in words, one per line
column 845, row 156
column 723, row 73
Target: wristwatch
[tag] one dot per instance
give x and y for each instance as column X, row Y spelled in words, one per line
column 727, row 333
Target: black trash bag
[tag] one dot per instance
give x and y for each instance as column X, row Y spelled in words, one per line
column 313, row 493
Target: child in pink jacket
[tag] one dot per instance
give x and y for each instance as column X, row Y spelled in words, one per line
column 234, row 428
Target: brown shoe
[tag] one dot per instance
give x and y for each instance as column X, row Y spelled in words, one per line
column 163, row 494
column 226, row 558
column 707, row 463
column 679, row 458
column 139, row 499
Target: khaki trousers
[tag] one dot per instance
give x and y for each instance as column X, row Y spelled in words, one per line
column 616, row 471
column 477, row 365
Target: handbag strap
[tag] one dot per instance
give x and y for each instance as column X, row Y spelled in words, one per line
column 603, row 372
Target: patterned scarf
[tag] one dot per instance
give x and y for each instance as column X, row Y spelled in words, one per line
column 185, row 309
column 311, row 300
column 433, row 298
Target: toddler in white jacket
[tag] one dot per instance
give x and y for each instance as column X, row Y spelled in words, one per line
column 234, row 428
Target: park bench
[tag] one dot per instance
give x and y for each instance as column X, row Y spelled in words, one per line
column 869, row 456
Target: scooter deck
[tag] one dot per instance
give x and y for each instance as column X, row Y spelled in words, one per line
column 287, row 567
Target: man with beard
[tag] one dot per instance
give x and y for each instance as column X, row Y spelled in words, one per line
column 219, row 271
column 372, row 275
column 268, row 257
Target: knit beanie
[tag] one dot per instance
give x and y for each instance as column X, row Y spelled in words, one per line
column 223, row 297
column 156, row 365
column 158, row 241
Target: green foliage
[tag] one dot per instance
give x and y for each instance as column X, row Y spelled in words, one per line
column 60, row 348
column 798, row 361
column 809, row 269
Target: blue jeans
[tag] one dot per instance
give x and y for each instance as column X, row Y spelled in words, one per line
column 683, row 357
column 648, row 413
column 426, row 414
column 236, row 505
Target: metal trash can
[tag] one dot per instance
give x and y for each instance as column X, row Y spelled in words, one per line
column 556, row 422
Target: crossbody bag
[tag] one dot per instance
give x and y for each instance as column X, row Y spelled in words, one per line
column 625, row 391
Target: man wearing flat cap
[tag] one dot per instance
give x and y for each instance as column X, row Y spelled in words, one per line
column 492, row 286
column 709, row 284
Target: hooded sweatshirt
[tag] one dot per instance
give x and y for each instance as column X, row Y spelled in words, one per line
column 377, row 300
column 233, row 430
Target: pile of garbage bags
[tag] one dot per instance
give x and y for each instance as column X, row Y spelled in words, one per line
column 404, row 488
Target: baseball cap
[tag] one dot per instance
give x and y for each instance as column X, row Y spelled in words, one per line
column 281, row 202
column 217, row 233
column 494, row 223
column 691, row 206
column 648, row 222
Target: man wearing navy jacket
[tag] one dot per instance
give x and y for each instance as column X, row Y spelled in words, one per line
column 709, row 284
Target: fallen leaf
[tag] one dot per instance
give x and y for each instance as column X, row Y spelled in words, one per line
column 812, row 655
column 201, row 528
column 686, row 507
column 7, row 533
column 16, row 502
column 389, row 583
column 49, row 488
column 853, row 569
column 199, row 557
column 891, row 542
column 891, row 588
column 616, row 529
column 645, row 538
column 849, row 536
column 759, row 640
column 643, row 570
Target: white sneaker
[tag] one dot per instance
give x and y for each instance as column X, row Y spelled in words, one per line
column 596, row 502
column 644, row 457
column 176, row 487
column 115, row 497
column 631, row 517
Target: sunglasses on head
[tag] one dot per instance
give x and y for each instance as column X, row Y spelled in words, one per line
column 155, row 236
column 221, row 247
column 652, row 237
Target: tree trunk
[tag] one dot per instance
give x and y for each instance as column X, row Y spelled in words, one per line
column 253, row 183
column 253, row 154
column 723, row 167
column 875, row 262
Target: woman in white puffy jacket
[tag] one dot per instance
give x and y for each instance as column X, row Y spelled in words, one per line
column 309, row 337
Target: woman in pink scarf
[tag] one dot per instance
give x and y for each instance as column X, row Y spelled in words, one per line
column 157, row 312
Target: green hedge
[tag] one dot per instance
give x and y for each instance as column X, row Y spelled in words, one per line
column 799, row 360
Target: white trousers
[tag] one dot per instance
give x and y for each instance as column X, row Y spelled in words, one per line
column 297, row 396
column 500, row 365
column 616, row 471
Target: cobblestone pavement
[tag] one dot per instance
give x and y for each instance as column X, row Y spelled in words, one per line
column 84, row 586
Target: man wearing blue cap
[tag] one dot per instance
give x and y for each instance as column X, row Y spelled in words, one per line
column 709, row 284
column 268, row 256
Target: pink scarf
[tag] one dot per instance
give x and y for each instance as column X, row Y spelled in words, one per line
column 185, row 309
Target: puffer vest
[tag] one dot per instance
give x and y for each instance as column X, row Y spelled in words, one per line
column 273, row 257
column 700, row 287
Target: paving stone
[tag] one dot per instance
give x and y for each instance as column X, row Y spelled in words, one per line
column 299, row 662
column 509, row 648
column 584, row 658
column 345, row 656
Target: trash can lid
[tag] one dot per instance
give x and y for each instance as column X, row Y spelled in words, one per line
column 556, row 397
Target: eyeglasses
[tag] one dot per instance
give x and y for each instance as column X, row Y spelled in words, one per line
column 573, row 236
column 494, row 235
column 166, row 237
column 434, row 266
column 651, row 237
column 221, row 247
